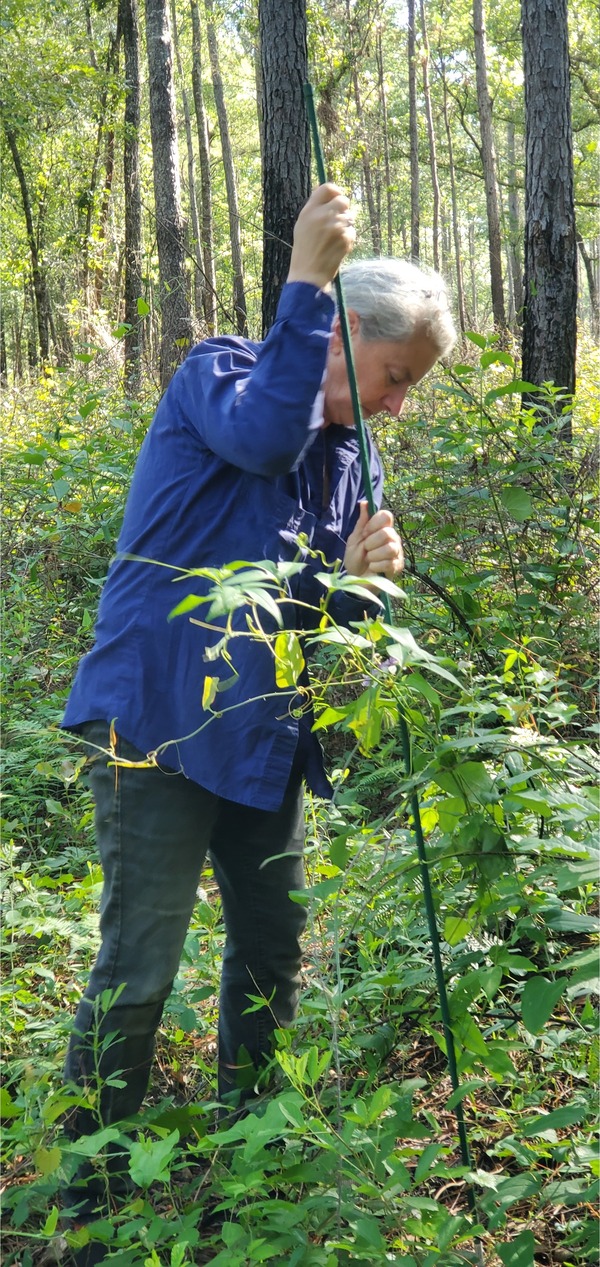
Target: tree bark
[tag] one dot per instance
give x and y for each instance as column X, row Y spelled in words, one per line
column 515, row 233
column 112, row 68
column 239, row 297
column 415, row 243
column 128, row 17
column 176, row 320
column 460, row 290
column 488, row 158
column 40, row 288
column 207, row 234
column 432, row 146
column 549, row 325
column 473, row 316
column 286, row 148
column 588, row 264
column 389, row 215
column 196, row 252
column 364, row 146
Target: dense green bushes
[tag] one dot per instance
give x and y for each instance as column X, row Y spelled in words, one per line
column 492, row 662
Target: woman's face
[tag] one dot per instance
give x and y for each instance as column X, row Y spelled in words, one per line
column 384, row 372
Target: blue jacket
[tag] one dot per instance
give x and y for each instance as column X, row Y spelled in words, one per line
column 232, row 468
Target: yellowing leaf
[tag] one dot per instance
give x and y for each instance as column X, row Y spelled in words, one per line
column 47, row 1160
column 289, row 661
column 209, row 690
column 74, row 507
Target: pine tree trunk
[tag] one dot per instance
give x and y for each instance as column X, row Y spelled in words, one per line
column 432, row 146
column 207, row 234
column 239, row 297
column 588, row 264
column 472, row 269
column 386, row 146
column 286, row 171
column 40, row 288
column 128, row 15
column 415, row 233
column 196, row 245
column 460, row 290
column 176, row 320
column 364, row 147
column 112, row 68
column 549, row 325
column 515, row 231
column 488, row 158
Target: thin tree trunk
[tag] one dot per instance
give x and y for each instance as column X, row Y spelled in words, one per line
column 112, row 68
column 176, row 320
column 472, row 272
column 109, row 167
column 488, row 157
column 365, row 159
column 198, row 280
column 588, row 264
column 386, row 145
column 515, row 232
column 432, row 146
column 42, row 298
column 549, row 325
column 415, row 242
column 286, row 171
column 239, row 297
column 207, row 234
column 460, row 290
column 3, row 356
column 128, row 16
column 89, row 195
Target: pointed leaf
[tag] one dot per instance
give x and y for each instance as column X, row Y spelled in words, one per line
column 520, row 1252
column 187, row 604
column 538, row 1001
column 289, row 661
column 518, row 503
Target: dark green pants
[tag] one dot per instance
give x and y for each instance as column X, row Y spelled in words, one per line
column 153, row 831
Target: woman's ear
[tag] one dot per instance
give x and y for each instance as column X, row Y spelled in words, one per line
column 336, row 329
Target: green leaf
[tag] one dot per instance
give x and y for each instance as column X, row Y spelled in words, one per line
column 519, row 1252
column 289, row 661
column 518, row 503
column 51, row 1223
column 8, row 1107
column 538, row 1001
column 465, row 1089
column 469, row 780
column 187, row 604
column 496, row 357
column 150, row 1159
column 478, row 339
column 456, row 929
column 47, row 1160
column 142, row 307
column 426, row 1161
column 328, row 717
column 60, row 488
column 418, row 683
column 555, row 1121
column 517, row 386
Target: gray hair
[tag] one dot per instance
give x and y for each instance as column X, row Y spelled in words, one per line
column 396, row 299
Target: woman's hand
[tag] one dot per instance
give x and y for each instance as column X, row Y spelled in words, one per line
column 323, row 235
column 374, row 546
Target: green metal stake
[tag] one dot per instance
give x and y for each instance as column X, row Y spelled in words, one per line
column 404, row 735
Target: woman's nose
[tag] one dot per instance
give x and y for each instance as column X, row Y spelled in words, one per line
column 394, row 399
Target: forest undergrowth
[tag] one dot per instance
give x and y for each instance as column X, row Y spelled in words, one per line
column 492, row 661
